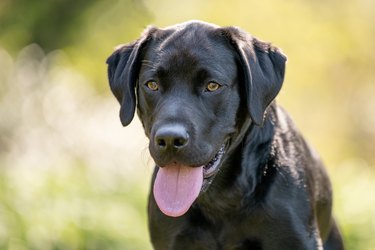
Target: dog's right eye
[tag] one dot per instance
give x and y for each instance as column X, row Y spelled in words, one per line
column 212, row 86
column 152, row 85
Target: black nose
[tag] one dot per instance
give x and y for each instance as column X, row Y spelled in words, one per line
column 171, row 137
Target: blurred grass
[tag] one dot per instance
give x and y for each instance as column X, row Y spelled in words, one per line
column 71, row 209
column 72, row 178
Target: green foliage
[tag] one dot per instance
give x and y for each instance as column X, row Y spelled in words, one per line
column 72, row 178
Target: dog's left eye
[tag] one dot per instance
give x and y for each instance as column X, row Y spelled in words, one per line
column 212, row 86
column 152, row 85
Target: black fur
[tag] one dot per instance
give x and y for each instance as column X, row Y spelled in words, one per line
column 271, row 191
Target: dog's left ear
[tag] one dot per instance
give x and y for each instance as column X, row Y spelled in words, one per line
column 123, row 70
column 263, row 67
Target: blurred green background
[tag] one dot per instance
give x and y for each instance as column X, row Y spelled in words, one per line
column 72, row 178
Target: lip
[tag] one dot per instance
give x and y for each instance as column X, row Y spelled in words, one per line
column 212, row 168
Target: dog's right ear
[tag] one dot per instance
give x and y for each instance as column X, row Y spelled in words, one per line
column 123, row 70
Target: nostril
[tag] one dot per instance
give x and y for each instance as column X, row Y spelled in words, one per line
column 161, row 143
column 179, row 142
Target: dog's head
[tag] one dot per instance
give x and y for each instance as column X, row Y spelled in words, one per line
column 195, row 85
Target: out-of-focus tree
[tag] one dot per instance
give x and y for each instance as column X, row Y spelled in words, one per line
column 51, row 24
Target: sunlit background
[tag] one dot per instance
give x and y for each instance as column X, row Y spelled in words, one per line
column 71, row 177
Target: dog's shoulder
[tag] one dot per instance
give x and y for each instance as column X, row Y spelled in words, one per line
column 287, row 137
column 294, row 154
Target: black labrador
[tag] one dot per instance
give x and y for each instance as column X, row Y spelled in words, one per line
column 232, row 171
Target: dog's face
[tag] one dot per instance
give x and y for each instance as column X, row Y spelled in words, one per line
column 187, row 92
column 196, row 84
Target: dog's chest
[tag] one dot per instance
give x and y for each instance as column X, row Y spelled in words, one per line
column 236, row 237
column 227, row 234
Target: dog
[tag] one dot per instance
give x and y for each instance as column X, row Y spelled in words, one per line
column 232, row 170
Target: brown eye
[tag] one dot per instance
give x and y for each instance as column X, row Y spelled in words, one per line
column 152, row 85
column 212, row 86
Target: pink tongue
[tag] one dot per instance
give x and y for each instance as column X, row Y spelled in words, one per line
column 176, row 187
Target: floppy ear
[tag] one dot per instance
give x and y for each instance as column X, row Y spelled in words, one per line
column 263, row 67
column 123, row 70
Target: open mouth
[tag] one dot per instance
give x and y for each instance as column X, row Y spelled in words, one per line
column 176, row 186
